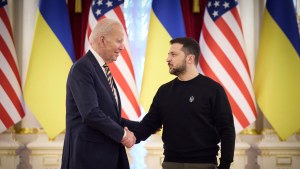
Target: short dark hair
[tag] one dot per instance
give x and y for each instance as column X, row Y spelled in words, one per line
column 190, row 46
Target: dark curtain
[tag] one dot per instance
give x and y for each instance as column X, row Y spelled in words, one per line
column 78, row 21
column 192, row 20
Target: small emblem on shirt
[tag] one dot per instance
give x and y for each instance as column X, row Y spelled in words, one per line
column 191, row 99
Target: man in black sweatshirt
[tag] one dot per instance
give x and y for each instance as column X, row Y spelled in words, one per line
column 194, row 112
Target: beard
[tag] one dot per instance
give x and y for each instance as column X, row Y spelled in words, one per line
column 178, row 70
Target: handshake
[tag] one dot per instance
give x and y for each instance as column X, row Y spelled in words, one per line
column 129, row 139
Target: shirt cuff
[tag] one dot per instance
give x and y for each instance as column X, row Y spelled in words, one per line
column 224, row 165
column 124, row 134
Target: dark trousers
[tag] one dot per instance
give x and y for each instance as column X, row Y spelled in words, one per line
column 172, row 165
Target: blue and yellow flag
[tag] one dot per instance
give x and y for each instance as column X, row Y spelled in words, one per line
column 277, row 74
column 166, row 23
column 51, row 58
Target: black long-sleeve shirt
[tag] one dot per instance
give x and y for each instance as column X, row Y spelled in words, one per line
column 195, row 116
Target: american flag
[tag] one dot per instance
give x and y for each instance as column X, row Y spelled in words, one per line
column 223, row 58
column 122, row 69
column 11, row 98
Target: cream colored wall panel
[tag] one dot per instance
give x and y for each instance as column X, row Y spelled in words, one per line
column 154, row 156
column 46, row 154
column 277, row 154
column 240, row 156
column 8, row 147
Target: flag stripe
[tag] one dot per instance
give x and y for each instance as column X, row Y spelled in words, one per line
column 7, row 38
column 231, row 23
column 8, row 73
column 226, row 63
column 223, row 59
column 2, row 126
column 12, row 94
column 235, row 14
column 9, row 106
column 46, row 9
column 228, row 48
column 11, row 100
column 5, row 118
column 123, row 114
column 8, row 56
column 238, row 114
column 223, row 76
column 227, row 32
column 124, row 86
column 128, row 109
column 168, row 21
column 287, row 27
column 127, row 59
column 120, row 63
column 4, row 18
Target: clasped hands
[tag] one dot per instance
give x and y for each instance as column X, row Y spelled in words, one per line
column 129, row 139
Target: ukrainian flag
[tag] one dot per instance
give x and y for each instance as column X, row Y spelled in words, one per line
column 166, row 23
column 277, row 74
column 51, row 58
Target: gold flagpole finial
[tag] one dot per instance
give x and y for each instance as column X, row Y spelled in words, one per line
column 78, row 6
column 196, row 6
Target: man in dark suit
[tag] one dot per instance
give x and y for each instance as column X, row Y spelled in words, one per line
column 95, row 132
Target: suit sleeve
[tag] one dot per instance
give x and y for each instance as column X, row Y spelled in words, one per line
column 129, row 123
column 81, row 83
column 225, row 127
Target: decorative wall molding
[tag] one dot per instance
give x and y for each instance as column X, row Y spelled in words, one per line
column 278, row 154
column 265, row 151
column 8, row 157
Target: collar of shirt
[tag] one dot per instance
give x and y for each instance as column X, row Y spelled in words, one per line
column 101, row 63
column 99, row 59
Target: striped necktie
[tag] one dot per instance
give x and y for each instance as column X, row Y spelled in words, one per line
column 109, row 77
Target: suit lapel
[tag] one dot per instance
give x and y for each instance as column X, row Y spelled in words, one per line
column 103, row 79
column 118, row 96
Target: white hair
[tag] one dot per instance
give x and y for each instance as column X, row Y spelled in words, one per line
column 102, row 27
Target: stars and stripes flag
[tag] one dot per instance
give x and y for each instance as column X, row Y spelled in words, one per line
column 223, row 58
column 122, row 69
column 11, row 98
